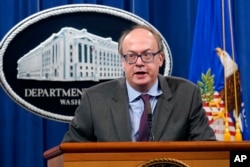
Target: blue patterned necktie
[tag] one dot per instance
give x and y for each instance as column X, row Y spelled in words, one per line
column 143, row 134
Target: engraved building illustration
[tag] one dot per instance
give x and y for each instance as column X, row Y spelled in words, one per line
column 72, row 55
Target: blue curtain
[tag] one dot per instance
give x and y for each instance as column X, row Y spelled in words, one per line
column 26, row 136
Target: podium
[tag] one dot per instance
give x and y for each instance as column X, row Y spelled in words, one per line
column 134, row 154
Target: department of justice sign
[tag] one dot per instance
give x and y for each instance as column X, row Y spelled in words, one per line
column 49, row 58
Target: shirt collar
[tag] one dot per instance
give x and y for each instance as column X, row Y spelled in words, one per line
column 134, row 94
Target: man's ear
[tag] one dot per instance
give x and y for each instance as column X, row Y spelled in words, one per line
column 161, row 57
column 123, row 64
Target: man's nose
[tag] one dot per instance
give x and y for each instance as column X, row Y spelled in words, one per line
column 139, row 61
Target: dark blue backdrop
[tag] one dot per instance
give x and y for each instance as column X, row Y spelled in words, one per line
column 26, row 136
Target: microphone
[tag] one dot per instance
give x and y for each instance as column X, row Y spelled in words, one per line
column 149, row 113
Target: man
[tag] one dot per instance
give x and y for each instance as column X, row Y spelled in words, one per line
column 111, row 111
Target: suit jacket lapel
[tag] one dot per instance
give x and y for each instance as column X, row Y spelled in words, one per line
column 120, row 112
column 163, row 109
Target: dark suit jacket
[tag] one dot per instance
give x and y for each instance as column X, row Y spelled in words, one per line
column 103, row 114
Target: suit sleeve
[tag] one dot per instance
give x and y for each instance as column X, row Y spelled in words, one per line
column 199, row 126
column 81, row 126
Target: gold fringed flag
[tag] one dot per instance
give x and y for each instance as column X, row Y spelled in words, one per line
column 214, row 68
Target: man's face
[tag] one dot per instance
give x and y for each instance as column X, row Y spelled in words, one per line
column 141, row 76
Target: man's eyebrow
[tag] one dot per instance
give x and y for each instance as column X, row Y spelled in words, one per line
column 131, row 51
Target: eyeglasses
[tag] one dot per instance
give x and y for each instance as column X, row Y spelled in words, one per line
column 146, row 57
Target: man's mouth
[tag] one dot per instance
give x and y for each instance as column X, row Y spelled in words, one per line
column 140, row 72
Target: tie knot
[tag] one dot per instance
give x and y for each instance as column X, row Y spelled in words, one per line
column 145, row 97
